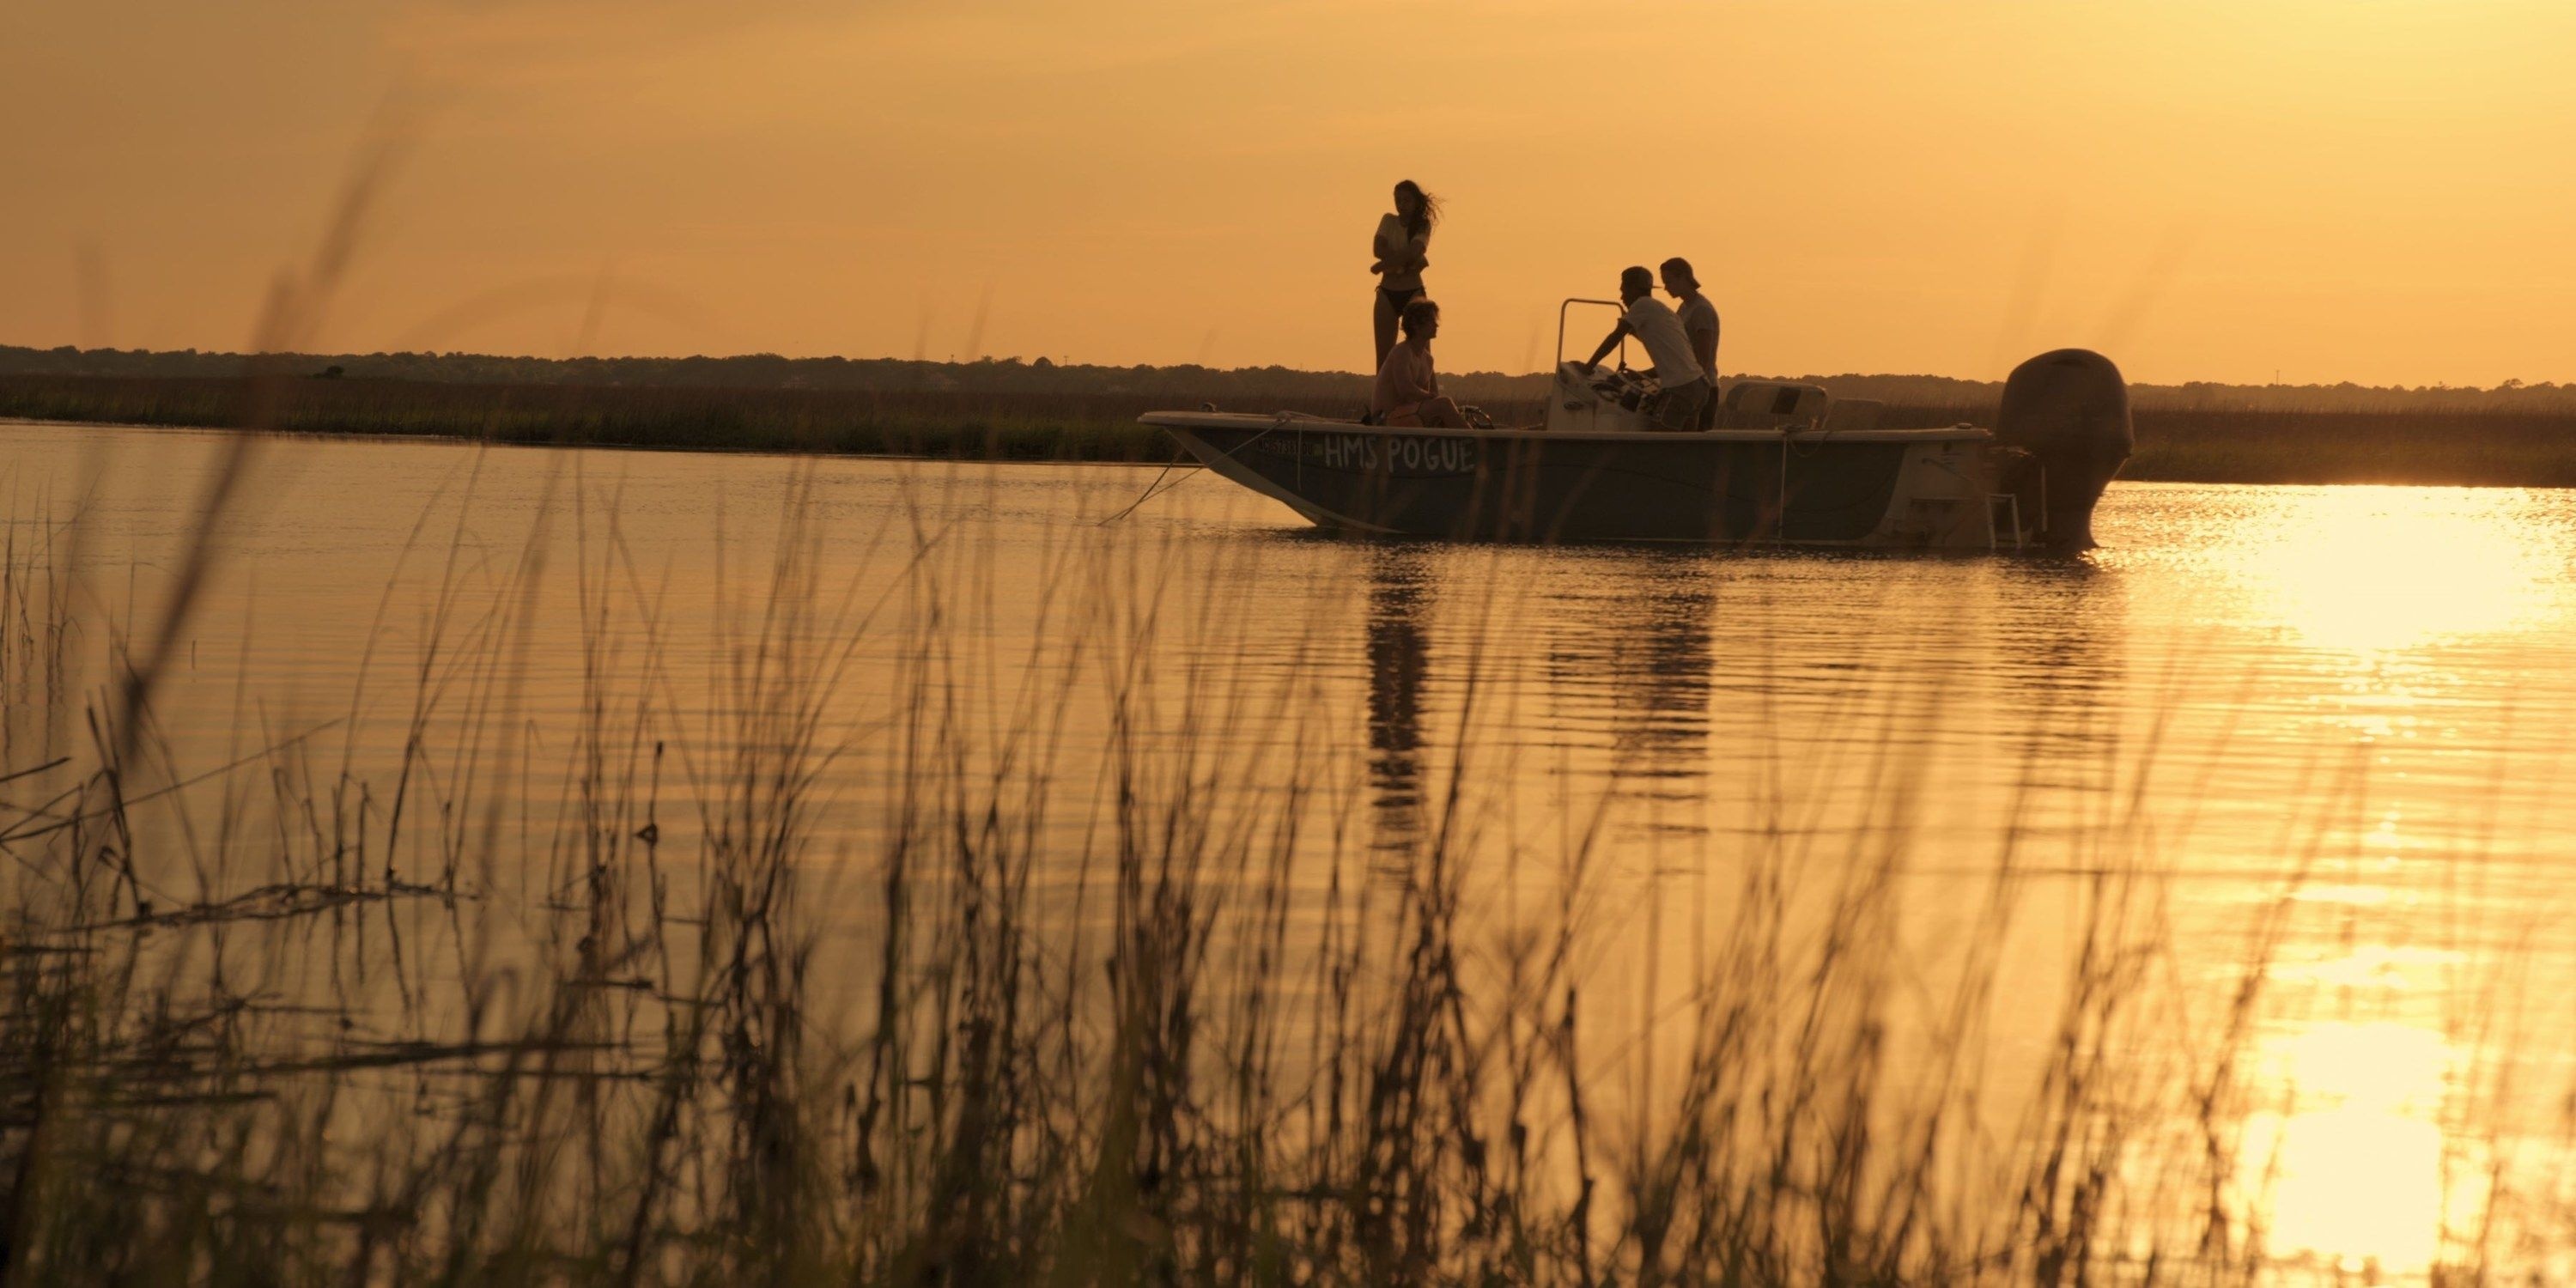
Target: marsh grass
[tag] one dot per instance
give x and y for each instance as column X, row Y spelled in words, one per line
column 2175, row 444
column 2425, row 448
column 987, row 426
column 2503, row 449
column 1110, row 986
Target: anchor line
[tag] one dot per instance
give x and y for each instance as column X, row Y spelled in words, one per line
column 1148, row 495
column 1149, row 492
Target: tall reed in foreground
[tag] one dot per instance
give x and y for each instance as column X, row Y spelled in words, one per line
column 1102, row 978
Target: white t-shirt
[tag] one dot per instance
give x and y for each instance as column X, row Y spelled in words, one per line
column 1391, row 230
column 1667, row 345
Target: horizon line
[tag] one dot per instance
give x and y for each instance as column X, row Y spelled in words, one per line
column 2511, row 384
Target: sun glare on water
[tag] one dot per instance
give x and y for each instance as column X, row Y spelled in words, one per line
column 2352, row 1165
column 2369, row 570
column 2386, row 597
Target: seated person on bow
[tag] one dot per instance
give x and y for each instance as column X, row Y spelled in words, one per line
column 1408, row 391
column 1684, row 386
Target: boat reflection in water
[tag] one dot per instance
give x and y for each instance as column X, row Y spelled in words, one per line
column 1630, row 663
column 1399, row 659
column 1621, row 666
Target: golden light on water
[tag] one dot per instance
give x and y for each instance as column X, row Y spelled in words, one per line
column 2353, row 1170
column 2353, row 1162
column 2369, row 569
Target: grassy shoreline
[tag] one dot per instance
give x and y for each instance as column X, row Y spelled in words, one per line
column 2192, row 445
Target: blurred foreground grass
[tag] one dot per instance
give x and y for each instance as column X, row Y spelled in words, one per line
column 1114, row 1001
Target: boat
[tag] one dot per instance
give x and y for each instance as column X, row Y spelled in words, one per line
column 1788, row 464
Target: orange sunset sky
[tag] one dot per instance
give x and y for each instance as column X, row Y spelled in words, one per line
column 2367, row 190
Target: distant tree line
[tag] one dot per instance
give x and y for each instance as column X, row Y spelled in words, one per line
column 1185, row 385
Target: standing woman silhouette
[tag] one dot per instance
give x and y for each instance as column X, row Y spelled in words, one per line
column 1402, row 247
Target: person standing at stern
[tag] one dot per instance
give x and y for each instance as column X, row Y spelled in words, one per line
column 1403, row 250
column 1408, row 389
column 1684, row 387
column 1699, row 322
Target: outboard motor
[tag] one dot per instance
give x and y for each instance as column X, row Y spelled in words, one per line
column 2070, row 410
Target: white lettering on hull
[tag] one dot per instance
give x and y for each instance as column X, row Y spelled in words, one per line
column 1378, row 453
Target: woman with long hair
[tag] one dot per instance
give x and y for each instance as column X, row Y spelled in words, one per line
column 1402, row 246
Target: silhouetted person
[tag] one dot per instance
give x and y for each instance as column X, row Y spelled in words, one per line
column 1699, row 322
column 1684, row 386
column 1408, row 389
column 1403, row 250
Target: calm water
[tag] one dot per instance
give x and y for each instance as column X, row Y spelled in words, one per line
column 2349, row 703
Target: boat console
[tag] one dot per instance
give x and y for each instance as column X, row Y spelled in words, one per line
column 1608, row 400
column 1611, row 400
